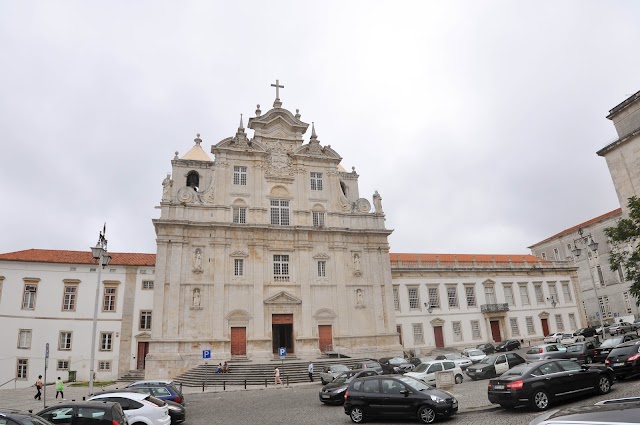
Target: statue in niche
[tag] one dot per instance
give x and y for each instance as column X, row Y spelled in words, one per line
column 196, row 298
column 359, row 298
column 377, row 202
column 197, row 261
column 167, row 183
column 356, row 264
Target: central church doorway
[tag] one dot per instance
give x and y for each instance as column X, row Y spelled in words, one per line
column 282, row 332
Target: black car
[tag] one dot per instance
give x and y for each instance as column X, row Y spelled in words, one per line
column 625, row 359
column 538, row 384
column 159, row 390
column 177, row 412
column 487, row 348
column 608, row 412
column 392, row 365
column 587, row 332
column 397, row 396
column 86, row 413
column 493, row 365
column 581, row 352
column 508, row 345
column 333, row 392
column 601, row 352
column 16, row 417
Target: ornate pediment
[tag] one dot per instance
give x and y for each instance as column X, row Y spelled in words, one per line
column 143, row 335
column 489, row 282
column 278, row 123
column 437, row 322
column 324, row 314
column 321, row 256
column 543, row 315
column 283, row 297
column 238, row 315
column 239, row 254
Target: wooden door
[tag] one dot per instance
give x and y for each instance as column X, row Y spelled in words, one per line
column 495, row 331
column 326, row 338
column 238, row 341
column 143, row 350
column 437, row 332
column 545, row 327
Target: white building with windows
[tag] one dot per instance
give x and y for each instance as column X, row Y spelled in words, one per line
column 48, row 297
column 463, row 300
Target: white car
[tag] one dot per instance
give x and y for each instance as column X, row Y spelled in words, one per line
column 556, row 337
column 427, row 371
column 139, row 408
column 572, row 338
column 474, row 354
column 462, row 362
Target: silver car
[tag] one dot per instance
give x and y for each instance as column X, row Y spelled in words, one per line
column 546, row 351
column 460, row 361
column 330, row 372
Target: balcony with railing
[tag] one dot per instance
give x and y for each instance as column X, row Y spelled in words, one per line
column 494, row 308
column 465, row 263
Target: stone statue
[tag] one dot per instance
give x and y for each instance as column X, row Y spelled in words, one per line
column 197, row 261
column 196, row 297
column 166, row 188
column 359, row 299
column 377, row 202
column 356, row 264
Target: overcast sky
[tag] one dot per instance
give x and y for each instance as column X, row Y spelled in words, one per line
column 477, row 121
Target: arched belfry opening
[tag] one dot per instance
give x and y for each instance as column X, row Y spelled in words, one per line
column 193, row 180
column 344, row 188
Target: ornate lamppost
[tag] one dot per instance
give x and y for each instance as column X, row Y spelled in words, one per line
column 99, row 252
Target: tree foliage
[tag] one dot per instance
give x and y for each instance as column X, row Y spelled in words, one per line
column 623, row 238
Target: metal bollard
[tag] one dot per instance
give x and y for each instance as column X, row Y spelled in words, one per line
column 180, row 386
column 287, row 378
column 224, row 385
column 245, row 384
column 265, row 383
column 203, row 387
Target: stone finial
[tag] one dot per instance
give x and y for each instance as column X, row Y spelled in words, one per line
column 176, row 155
column 353, row 169
column 241, row 126
column 314, row 136
column 198, row 140
column 298, row 114
column 258, row 111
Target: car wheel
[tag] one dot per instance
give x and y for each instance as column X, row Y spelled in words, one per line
column 604, row 385
column 459, row 379
column 540, row 400
column 427, row 415
column 357, row 415
column 588, row 360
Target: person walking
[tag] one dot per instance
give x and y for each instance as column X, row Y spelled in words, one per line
column 39, row 385
column 310, row 370
column 59, row 388
column 276, row 374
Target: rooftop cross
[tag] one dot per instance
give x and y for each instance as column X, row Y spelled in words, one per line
column 277, row 85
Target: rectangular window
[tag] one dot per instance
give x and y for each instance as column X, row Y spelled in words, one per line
column 470, row 293
column 29, row 297
column 318, row 218
column 515, row 330
column 572, row 321
column 559, row 323
column 238, row 267
column 109, row 300
column 556, row 254
column 620, row 274
column 104, row 365
column 106, row 341
column 145, row 320
column 457, row 331
column 69, row 298
column 280, row 212
column 239, row 175
column 414, row 298
column 544, row 255
column 147, row 284
column 508, row 295
column 64, row 342
column 434, row 298
column 605, row 308
column 239, row 215
column 63, row 365
column 627, row 302
column 24, row 338
column 531, row 330
column 539, row 295
column 418, row 334
column 23, row 366
column 489, row 294
column 281, row 268
column 399, row 331
column 524, row 294
column 475, row 329
column 316, row 181
column 452, row 296
column 322, row 268
column 600, row 275
column 553, row 293
column 396, row 298
column 566, row 293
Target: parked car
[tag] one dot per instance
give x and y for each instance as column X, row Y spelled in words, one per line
column 474, row 354
column 154, row 382
column 635, row 325
column 625, row 359
column 462, row 362
column 161, row 391
column 493, row 365
column 177, row 412
column 620, row 328
column 546, row 351
column 16, row 417
column 601, row 352
column 85, row 413
column 538, row 384
column 587, row 332
column 368, row 364
column 427, row 371
column 138, row 407
column 407, row 397
column 417, row 360
column 571, row 338
column 391, row 365
column 607, row 412
column 333, row 392
column 581, row 352
column 554, row 337
column 486, row 348
column 330, row 372
column 508, row 345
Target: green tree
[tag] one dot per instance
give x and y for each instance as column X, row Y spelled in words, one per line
column 623, row 238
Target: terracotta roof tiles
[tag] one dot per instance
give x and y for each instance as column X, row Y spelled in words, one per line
column 78, row 257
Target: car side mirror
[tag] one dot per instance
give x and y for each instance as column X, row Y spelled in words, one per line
column 405, row 393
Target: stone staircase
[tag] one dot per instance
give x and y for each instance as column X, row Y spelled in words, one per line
column 240, row 373
column 132, row 376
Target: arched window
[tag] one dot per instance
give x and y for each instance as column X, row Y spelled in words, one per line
column 193, row 180
column 344, row 188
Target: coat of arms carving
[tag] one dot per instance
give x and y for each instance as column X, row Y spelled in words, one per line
column 279, row 161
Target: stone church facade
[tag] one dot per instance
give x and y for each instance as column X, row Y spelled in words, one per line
column 268, row 244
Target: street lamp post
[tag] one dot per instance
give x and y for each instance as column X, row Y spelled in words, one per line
column 99, row 252
column 588, row 242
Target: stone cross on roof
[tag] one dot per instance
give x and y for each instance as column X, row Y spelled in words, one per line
column 277, row 103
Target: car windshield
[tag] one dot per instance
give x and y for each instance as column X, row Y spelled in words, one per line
column 422, row 367
column 340, row 368
column 488, row 360
column 454, row 356
column 517, row 370
column 575, row 348
column 567, row 335
column 611, row 342
column 414, row 383
column 345, row 377
column 397, row 360
column 475, row 353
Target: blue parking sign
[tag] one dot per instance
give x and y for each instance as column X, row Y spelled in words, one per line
column 282, row 351
column 206, row 354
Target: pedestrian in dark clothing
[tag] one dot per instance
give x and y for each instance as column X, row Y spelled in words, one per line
column 39, row 385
